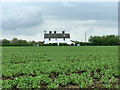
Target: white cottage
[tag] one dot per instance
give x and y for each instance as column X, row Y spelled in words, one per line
column 57, row 38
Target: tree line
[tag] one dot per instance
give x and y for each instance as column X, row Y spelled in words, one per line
column 93, row 41
column 104, row 40
column 19, row 42
column 108, row 40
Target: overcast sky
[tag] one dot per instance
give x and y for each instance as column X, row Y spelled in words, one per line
column 29, row 20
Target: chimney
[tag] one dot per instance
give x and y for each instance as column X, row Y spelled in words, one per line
column 63, row 32
column 49, row 39
column 55, row 35
column 54, row 32
column 50, row 32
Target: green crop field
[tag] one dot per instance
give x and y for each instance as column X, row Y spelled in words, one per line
column 60, row 67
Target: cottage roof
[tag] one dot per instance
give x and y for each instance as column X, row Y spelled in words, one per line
column 58, row 35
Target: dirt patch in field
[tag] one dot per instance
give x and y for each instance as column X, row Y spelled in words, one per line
column 14, row 62
column 69, row 86
column 12, row 77
column 53, row 75
column 92, row 74
column 79, row 72
column 97, row 84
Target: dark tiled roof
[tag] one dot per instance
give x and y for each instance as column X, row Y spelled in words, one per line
column 58, row 35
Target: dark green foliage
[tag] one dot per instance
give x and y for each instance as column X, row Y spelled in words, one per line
column 104, row 40
column 63, row 44
column 108, row 40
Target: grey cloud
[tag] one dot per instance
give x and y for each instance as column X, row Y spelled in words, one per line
column 82, row 11
column 103, row 23
column 106, row 23
column 21, row 17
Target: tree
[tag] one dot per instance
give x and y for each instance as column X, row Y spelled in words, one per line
column 22, row 42
column 5, row 42
column 33, row 43
column 15, row 41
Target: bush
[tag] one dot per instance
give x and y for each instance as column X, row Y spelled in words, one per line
column 63, row 44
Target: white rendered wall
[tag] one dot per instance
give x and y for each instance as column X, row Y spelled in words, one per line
column 58, row 41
